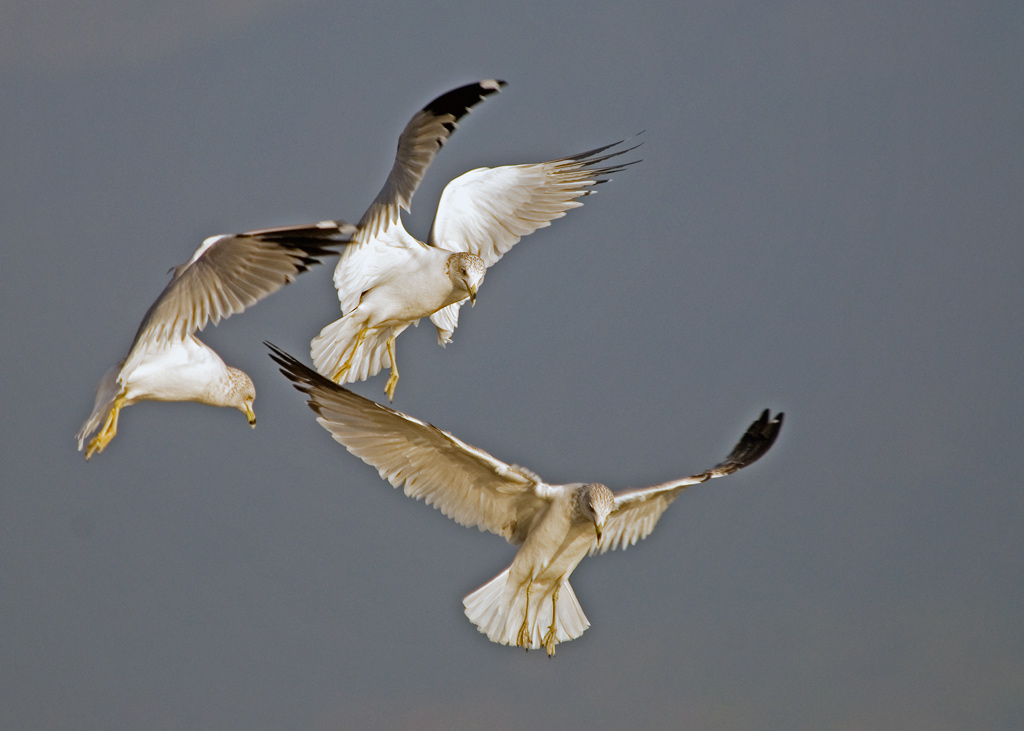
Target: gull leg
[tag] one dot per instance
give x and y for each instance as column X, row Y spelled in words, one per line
column 523, row 639
column 108, row 432
column 347, row 365
column 549, row 638
column 389, row 388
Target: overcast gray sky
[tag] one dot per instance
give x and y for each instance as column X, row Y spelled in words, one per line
column 827, row 221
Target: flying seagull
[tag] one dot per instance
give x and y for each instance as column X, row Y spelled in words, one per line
column 389, row 279
column 166, row 361
column 530, row 604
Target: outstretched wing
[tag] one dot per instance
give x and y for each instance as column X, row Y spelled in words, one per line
column 637, row 511
column 465, row 483
column 230, row 272
column 487, row 210
column 418, row 144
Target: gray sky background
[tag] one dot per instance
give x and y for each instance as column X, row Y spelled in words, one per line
column 827, row 221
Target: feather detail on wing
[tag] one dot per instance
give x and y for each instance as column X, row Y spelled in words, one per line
column 465, row 483
column 487, row 210
column 638, row 510
column 225, row 275
column 327, row 232
column 418, row 145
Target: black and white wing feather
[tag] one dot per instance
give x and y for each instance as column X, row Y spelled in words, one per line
column 227, row 274
column 638, row 510
column 418, row 145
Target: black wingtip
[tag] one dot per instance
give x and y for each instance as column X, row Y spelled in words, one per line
column 754, row 444
column 589, row 158
column 315, row 239
column 458, row 102
column 302, row 376
column 314, row 386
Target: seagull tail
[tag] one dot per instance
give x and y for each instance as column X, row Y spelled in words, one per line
column 332, row 348
column 106, row 393
column 497, row 609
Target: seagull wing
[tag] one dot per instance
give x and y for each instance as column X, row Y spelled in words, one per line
column 418, row 144
column 637, row 511
column 465, row 483
column 487, row 210
column 228, row 273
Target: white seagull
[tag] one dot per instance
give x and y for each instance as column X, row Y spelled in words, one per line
column 530, row 604
column 166, row 361
column 388, row 279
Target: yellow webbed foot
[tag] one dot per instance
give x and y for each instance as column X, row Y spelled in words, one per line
column 550, row 642
column 549, row 638
column 108, row 432
column 97, row 445
column 523, row 638
column 389, row 387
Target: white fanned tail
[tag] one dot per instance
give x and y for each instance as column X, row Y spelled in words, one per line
column 497, row 609
column 333, row 346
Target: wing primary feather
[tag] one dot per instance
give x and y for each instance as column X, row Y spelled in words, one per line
column 227, row 274
column 313, row 238
column 594, row 156
column 753, row 445
column 459, row 102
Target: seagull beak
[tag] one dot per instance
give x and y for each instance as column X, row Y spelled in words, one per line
column 250, row 415
column 598, row 528
column 472, row 295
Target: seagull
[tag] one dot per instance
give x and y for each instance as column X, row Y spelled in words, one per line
column 388, row 279
column 226, row 274
column 530, row 604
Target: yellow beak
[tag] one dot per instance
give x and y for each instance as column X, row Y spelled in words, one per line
column 250, row 415
column 472, row 296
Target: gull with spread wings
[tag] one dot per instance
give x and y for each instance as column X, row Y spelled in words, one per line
column 226, row 274
column 388, row 279
column 530, row 604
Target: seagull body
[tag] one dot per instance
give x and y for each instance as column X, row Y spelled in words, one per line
column 166, row 361
column 531, row 603
column 388, row 279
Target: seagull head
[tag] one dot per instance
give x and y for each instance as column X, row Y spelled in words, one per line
column 466, row 272
column 242, row 394
column 596, row 502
